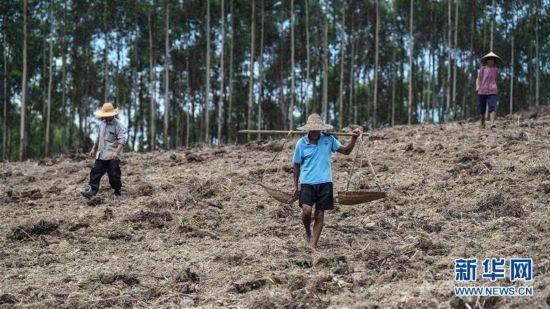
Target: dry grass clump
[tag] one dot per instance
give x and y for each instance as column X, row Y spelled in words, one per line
column 194, row 228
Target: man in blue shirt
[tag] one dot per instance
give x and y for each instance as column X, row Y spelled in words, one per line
column 312, row 171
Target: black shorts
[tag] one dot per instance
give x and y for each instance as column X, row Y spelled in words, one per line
column 320, row 194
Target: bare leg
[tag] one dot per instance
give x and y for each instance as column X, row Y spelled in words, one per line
column 306, row 219
column 493, row 117
column 482, row 118
column 318, row 226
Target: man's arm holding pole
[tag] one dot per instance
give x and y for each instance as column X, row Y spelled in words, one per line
column 347, row 149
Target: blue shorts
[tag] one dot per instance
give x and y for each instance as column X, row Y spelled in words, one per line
column 484, row 99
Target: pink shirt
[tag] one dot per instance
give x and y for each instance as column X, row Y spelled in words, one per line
column 487, row 78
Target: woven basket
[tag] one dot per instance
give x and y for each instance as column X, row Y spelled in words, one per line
column 359, row 197
column 279, row 195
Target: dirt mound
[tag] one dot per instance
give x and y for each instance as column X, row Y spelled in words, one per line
column 194, row 228
column 495, row 205
column 112, row 278
column 23, row 232
column 157, row 219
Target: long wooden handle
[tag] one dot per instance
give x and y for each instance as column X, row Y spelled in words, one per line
column 273, row 132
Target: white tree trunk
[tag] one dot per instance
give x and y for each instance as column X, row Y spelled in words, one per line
column 292, row 66
column 342, row 53
column 449, row 66
column 512, row 76
column 221, row 100
column 537, row 59
column 494, row 10
column 49, row 102
column 152, row 108
column 376, row 50
column 393, row 80
column 351, row 71
column 207, row 94
column 308, row 65
column 454, row 49
column 63, row 81
column 105, row 56
column 166, row 76
column 409, row 119
column 5, row 88
column 230, row 95
column 325, row 65
column 22, row 133
column 251, row 70
column 261, row 81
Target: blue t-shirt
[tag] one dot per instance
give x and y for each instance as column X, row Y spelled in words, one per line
column 314, row 160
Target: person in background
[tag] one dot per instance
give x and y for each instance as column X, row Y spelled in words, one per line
column 106, row 151
column 486, row 87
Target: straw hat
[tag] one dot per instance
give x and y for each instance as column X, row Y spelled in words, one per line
column 315, row 123
column 107, row 110
column 490, row 55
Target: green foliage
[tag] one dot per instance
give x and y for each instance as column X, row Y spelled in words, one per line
column 83, row 28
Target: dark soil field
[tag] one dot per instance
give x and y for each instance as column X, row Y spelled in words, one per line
column 195, row 229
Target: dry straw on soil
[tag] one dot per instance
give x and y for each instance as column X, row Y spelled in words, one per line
column 196, row 229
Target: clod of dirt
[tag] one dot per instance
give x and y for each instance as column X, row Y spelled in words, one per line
column 271, row 146
column 304, row 263
column 427, row 244
column 536, row 170
column 119, row 235
column 54, row 190
column 153, row 293
column 247, row 286
column 145, row 190
column 520, row 136
column 260, row 171
column 201, row 188
column 78, row 226
column 195, row 232
column 325, row 284
column 23, row 232
column 471, row 155
column 266, row 302
column 32, row 194
column 107, row 214
column 76, row 155
column 545, row 187
column 409, row 147
column 194, row 157
column 457, row 303
column 376, row 137
column 497, row 206
column 338, row 264
column 215, row 203
column 175, row 158
column 187, row 276
column 95, row 201
column 219, row 152
column 8, row 299
column 157, row 219
column 112, row 278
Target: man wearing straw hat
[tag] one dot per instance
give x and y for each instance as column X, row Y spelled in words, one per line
column 486, row 87
column 312, row 170
column 106, row 151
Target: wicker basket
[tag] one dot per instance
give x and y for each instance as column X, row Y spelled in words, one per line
column 279, row 195
column 359, row 197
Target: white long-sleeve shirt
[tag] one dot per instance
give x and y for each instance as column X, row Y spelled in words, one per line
column 111, row 134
